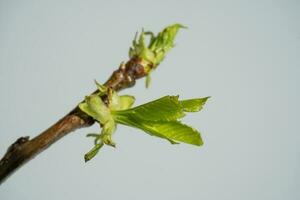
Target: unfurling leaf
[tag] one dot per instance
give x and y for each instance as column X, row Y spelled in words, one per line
column 175, row 131
column 160, row 118
column 158, row 46
column 153, row 53
column 164, row 109
column 170, row 130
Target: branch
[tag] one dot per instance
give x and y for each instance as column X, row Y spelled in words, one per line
column 143, row 60
column 24, row 149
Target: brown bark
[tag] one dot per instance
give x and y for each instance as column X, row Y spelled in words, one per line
column 25, row 149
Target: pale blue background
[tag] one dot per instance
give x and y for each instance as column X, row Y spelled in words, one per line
column 245, row 54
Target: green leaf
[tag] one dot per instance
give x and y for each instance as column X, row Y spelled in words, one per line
column 170, row 130
column 159, row 118
column 193, row 105
column 174, row 130
column 166, row 108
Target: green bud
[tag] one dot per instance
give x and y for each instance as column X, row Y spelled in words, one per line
column 153, row 53
column 159, row 45
column 96, row 108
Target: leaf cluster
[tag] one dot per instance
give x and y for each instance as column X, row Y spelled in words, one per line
column 160, row 118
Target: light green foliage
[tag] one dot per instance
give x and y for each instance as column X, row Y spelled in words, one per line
column 158, row 118
column 158, row 46
column 167, row 108
column 154, row 52
column 163, row 42
column 97, row 109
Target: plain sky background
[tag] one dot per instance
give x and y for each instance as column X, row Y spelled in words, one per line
column 245, row 54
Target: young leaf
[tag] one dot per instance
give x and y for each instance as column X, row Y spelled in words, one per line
column 153, row 53
column 159, row 118
column 167, row 108
column 174, row 130
column 193, row 105
column 170, row 130
column 164, row 41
